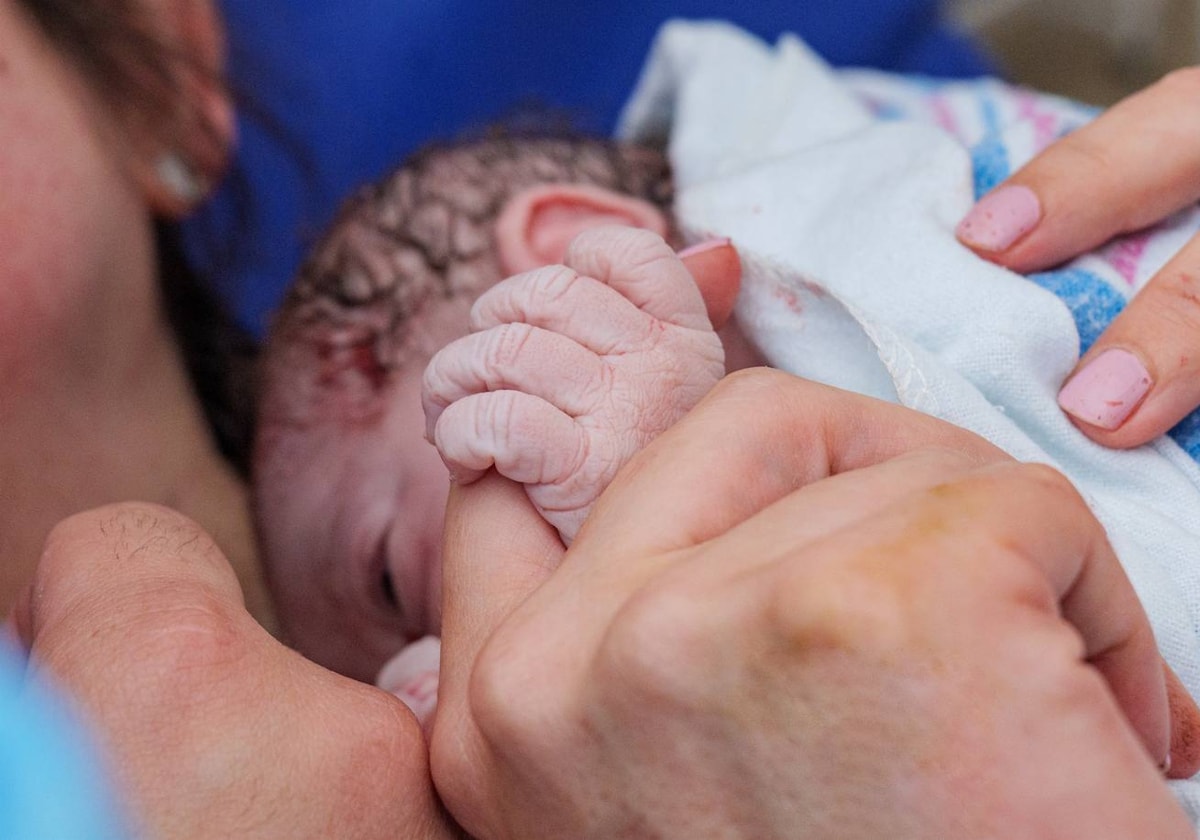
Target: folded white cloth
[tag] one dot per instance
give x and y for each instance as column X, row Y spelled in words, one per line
column 842, row 192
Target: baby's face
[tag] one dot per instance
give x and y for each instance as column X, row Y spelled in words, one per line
column 350, row 496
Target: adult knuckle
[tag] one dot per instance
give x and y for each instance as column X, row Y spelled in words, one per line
column 1174, row 299
column 1078, row 696
column 847, row 608
column 193, row 638
column 1183, row 83
column 168, row 649
column 1079, row 152
column 658, row 649
column 1044, row 480
column 753, row 384
column 947, row 461
column 128, row 533
column 379, row 734
column 510, row 695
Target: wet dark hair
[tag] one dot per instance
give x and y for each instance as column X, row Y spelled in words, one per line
column 134, row 73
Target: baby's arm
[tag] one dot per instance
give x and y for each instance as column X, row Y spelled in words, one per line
column 572, row 369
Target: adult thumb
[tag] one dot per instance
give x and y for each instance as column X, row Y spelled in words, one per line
column 497, row 550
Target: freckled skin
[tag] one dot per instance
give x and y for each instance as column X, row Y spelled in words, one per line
column 348, row 495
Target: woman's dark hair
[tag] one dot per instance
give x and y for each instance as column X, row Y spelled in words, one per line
column 119, row 55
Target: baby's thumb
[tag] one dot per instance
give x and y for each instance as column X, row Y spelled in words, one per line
column 715, row 267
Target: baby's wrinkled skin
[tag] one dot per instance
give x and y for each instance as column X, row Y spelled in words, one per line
column 571, row 369
column 557, row 375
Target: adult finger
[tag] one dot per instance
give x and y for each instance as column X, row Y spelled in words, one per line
column 1142, row 376
column 1005, row 534
column 137, row 555
column 774, row 433
column 1133, row 166
column 852, row 500
column 759, row 435
column 1185, row 729
column 496, row 551
column 499, row 555
column 213, row 728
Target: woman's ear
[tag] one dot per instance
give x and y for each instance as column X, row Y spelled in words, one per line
column 182, row 152
column 536, row 225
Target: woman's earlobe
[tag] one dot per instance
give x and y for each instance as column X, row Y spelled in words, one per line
column 181, row 157
column 536, row 225
column 180, row 181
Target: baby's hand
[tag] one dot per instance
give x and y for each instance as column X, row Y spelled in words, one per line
column 571, row 369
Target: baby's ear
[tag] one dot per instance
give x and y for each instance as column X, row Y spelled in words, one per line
column 538, row 223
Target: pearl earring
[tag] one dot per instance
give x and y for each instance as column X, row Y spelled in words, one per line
column 177, row 175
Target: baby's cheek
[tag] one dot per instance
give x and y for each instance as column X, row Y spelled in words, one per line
column 418, row 502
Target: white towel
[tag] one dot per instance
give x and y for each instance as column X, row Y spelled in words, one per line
column 842, row 192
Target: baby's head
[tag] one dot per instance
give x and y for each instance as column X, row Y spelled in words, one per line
column 349, row 496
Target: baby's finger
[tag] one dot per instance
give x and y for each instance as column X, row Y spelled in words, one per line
column 641, row 266
column 1133, row 166
column 561, row 300
column 526, row 438
column 717, row 270
column 1142, row 376
column 513, row 356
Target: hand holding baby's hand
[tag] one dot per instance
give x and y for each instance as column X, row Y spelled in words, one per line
column 1133, row 166
column 571, row 369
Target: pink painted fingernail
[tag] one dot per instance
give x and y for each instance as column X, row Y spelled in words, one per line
column 1000, row 218
column 1106, row 390
column 701, row 247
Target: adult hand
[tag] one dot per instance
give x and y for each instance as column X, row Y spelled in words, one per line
column 1133, row 166
column 213, row 729
column 801, row 612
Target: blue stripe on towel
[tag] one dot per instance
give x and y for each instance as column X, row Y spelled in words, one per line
column 990, row 156
column 1092, row 301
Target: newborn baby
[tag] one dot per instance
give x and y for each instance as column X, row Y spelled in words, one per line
column 566, row 372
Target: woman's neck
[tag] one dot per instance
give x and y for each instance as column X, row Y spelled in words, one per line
column 129, row 429
column 212, row 493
